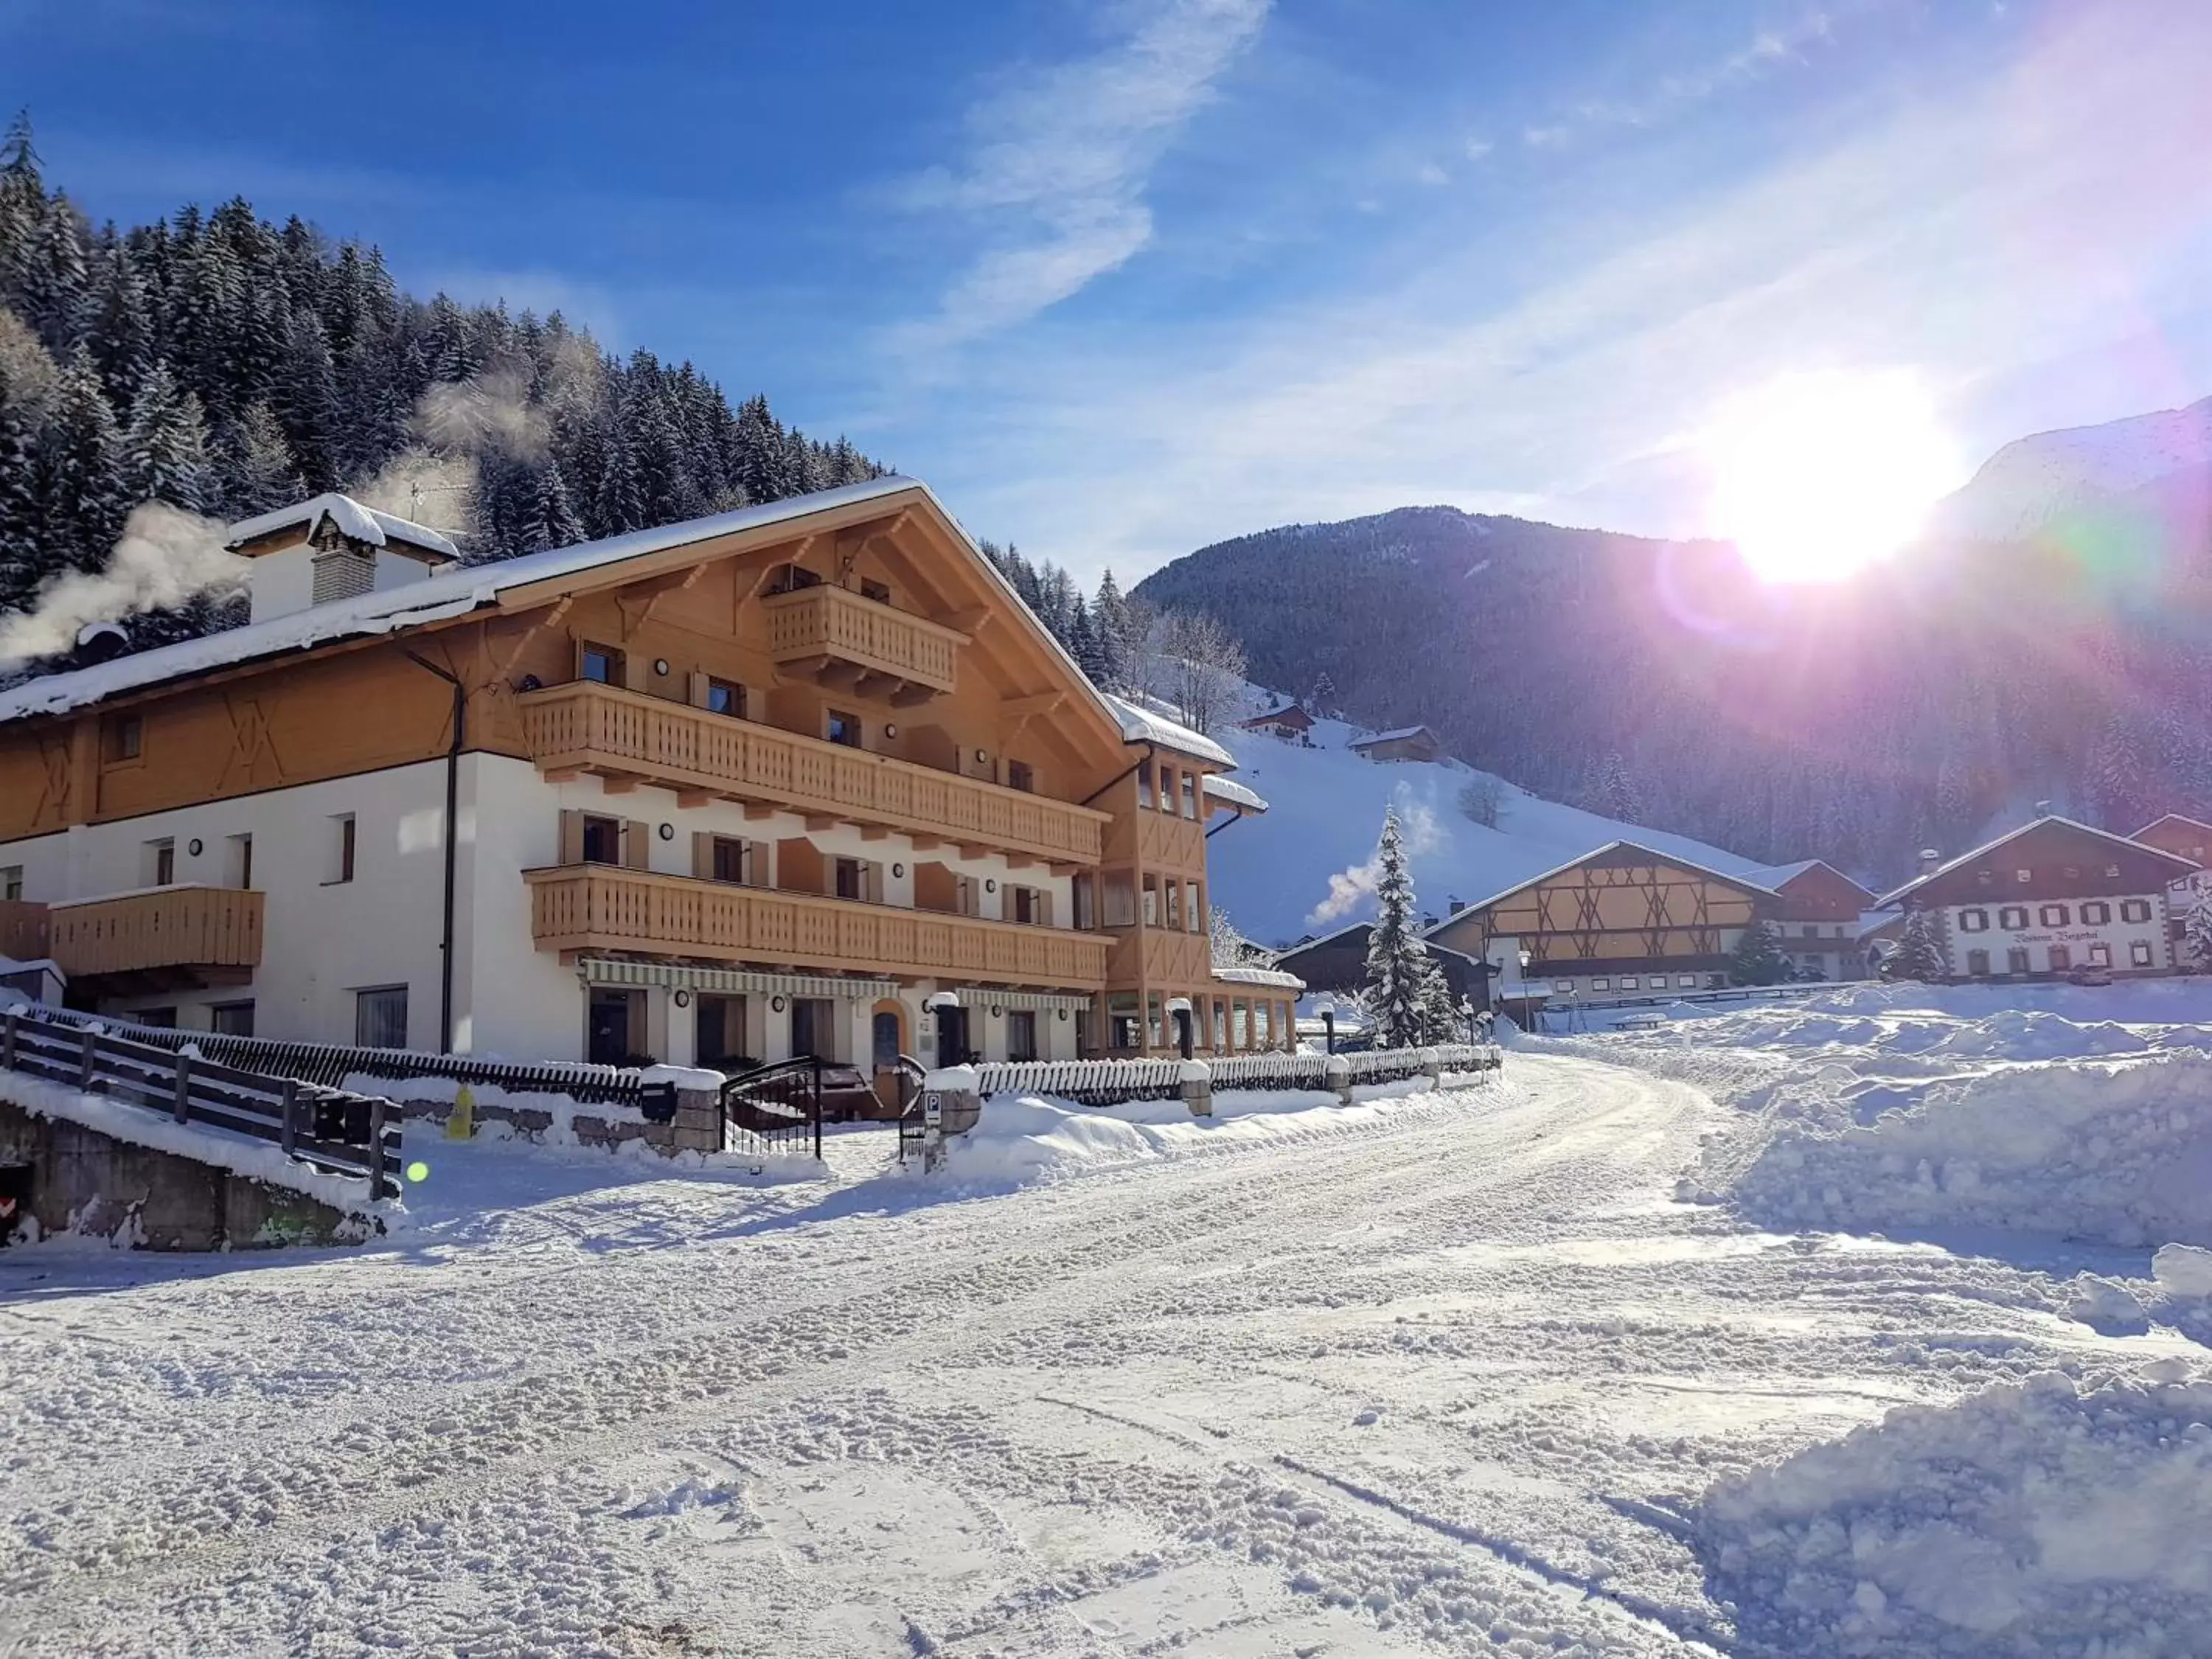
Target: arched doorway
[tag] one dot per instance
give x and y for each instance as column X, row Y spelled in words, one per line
column 887, row 1040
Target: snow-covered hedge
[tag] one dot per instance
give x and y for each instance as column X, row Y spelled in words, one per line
column 2032, row 1518
column 2116, row 1152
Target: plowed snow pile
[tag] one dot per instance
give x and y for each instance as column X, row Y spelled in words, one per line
column 2116, row 1153
column 2029, row 1519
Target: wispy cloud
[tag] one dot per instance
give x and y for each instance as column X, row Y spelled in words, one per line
column 1055, row 176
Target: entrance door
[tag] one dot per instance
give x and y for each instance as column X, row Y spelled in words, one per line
column 886, row 1041
column 614, row 1028
column 813, row 1027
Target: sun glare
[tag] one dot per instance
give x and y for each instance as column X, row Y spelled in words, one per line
column 1817, row 476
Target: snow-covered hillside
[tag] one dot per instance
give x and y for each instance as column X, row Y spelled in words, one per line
column 2032, row 481
column 1308, row 866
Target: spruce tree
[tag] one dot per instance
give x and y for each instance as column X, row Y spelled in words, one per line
column 254, row 465
column 2195, row 948
column 1919, row 954
column 1758, row 959
column 164, row 451
column 552, row 521
column 1406, row 989
column 87, row 489
column 24, row 531
column 1110, row 616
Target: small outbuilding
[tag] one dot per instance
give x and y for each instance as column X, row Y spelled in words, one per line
column 1407, row 742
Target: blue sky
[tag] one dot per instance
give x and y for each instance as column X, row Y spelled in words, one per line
column 1123, row 278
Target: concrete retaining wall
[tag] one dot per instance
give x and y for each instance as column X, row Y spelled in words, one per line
column 87, row 1183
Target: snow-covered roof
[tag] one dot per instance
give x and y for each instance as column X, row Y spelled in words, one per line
column 1778, row 876
column 1287, row 709
column 1274, row 978
column 450, row 593
column 363, row 523
column 1748, row 881
column 1229, row 790
column 1393, row 736
column 2172, row 817
column 1897, row 897
column 1143, row 724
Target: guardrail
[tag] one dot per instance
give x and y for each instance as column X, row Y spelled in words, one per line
column 348, row 1134
column 1117, row 1082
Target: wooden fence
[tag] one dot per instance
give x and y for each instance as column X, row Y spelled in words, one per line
column 347, row 1135
column 1115, row 1082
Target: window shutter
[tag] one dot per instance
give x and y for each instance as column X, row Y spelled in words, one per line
column 875, row 883
column 637, row 671
column 572, row 837
column 637, row 845
column 1044, row 907
column 702, row 854
column 698, row 690
column 760, row 864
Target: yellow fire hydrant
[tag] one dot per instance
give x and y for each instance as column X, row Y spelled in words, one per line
column 461, row 1122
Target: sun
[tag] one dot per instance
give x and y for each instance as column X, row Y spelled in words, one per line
column 1816, row 476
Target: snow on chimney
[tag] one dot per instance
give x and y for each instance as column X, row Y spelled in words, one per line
column 1930, row 859
column 332, row 548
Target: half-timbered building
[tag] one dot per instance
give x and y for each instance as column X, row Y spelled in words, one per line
column 750, row 786
column 1816, row 917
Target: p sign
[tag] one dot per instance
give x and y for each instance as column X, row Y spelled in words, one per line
column 933, row 1108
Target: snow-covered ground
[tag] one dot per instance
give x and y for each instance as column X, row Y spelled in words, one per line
column 1456, row 1373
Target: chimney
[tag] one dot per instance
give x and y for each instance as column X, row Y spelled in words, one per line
column 2042, row 809
column 99, row 641
column 332, row 548
column 1930, row 860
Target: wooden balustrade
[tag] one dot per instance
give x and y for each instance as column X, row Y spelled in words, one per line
column 601, row 908
column 584, row 726
column 200, row 928
column 825, row 626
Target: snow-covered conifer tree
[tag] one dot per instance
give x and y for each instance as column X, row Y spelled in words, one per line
column 2196, row 951
column 1406, row 989
column 1920, row 955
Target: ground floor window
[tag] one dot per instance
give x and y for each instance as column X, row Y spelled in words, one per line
column 163, row 1018
column 2100, row 956
column 1021, row 1035
column 231, row 1019
column 380, row 1017
column 2016, row 959
column 2061, row 958
column 719, row 1022
column 2139, row 953
column 814, row 1027
column 615, row 1027
column 1978, row 962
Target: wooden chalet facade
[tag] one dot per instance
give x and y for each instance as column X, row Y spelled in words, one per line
column 1815, row 918
column 2047, row 899
column 1410, row 743
column 1622, row 920
column 750, row 786
column 1291, row 723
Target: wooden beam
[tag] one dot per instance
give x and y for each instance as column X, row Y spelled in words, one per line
column 912, row 695
column 928, row 843
column 874, row 832
column 564, row 773
column 1041, row 702
column 620, row 783
column 974, row 849
column 756, row 810
column 969, row 621
column 691, row 798
column 816, row 821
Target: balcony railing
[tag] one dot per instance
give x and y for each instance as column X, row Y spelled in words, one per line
column 601, row 907
column 208, row 932
column 588, row 728
column 839, row 635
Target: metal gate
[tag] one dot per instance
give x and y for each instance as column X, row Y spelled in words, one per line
column 776, row 1108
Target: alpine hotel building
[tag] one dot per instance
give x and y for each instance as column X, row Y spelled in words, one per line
column 748, row 786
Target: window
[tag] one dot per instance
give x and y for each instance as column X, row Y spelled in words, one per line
column 122, row 737
column 1084, row 889
column 1145, row 783
column 164, row 1019
column 2054, row 915
column 2139, row 953
column 844, row 728
column 342, row 850
column 1194, row 908
column 2016, row 959
column 2100, row 956
column 2096, row 914
column 231, row 1019
column 1175, row 905
column 157, row 863
column 1152, row 901
column 2061, row 958
column 1027, row 909
column 239, row 862
column 2013, row 917
column 790, row 578
column 879, row 592
column 602, row 663
column 729, row 859
column 2112, row 870
column 1686, row 982
column 614, row 1026
column 1977, row 964
column 852, row 879
column 2023, row 877
column 1601, row 984
column 1157, row 1032
column 602, row 840
column 1973, row 922
column 1167, row 790
column 1563, row 987
column 1021, row 1035
column 1018, row 777
column 719, row 1025
column 2135, row 909
column 725, row 697
column 11, row 882
column 1120, row 893
column 1191, row 795
column 1629, row 982
column 1121, row 1029
column 380, row 1017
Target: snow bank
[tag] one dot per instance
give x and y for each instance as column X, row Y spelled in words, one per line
column 1022, row 1138
column 256, row 1160
column 2032, row 1517
column 2118, row 1154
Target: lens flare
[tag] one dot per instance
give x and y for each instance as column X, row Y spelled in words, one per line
column 418, row 1170
column 1816, row 476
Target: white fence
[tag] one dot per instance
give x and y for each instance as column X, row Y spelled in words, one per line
column 1112, row 1082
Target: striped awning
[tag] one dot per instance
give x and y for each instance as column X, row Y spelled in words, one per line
column 1040, row 1002
column 676, row 976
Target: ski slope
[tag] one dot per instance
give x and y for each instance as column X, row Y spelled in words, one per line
column 1307, row 866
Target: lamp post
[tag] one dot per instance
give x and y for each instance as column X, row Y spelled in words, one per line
column 1185, row 1025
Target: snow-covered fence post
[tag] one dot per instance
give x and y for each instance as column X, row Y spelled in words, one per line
column 1432, row 1068
column 1339, row 1073
column 1198, row 1088
column 951, row 1102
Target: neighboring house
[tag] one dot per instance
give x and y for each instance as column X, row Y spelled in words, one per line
column 2047, row 898
column 1291, row 723
column 1338, row 962
column 1410, row 743
column 755, row 785
column 1620, row 920
column 1815, row 917
column 2188, row 838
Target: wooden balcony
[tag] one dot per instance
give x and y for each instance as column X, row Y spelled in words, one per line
column 167, row 936
column 844, row 639
column 584, row 726
column 601, row 907
column 23, row 930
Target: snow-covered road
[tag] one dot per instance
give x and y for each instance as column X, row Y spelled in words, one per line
column 1445, row 1381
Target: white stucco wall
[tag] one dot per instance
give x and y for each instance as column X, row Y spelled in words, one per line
column 2076, row 936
